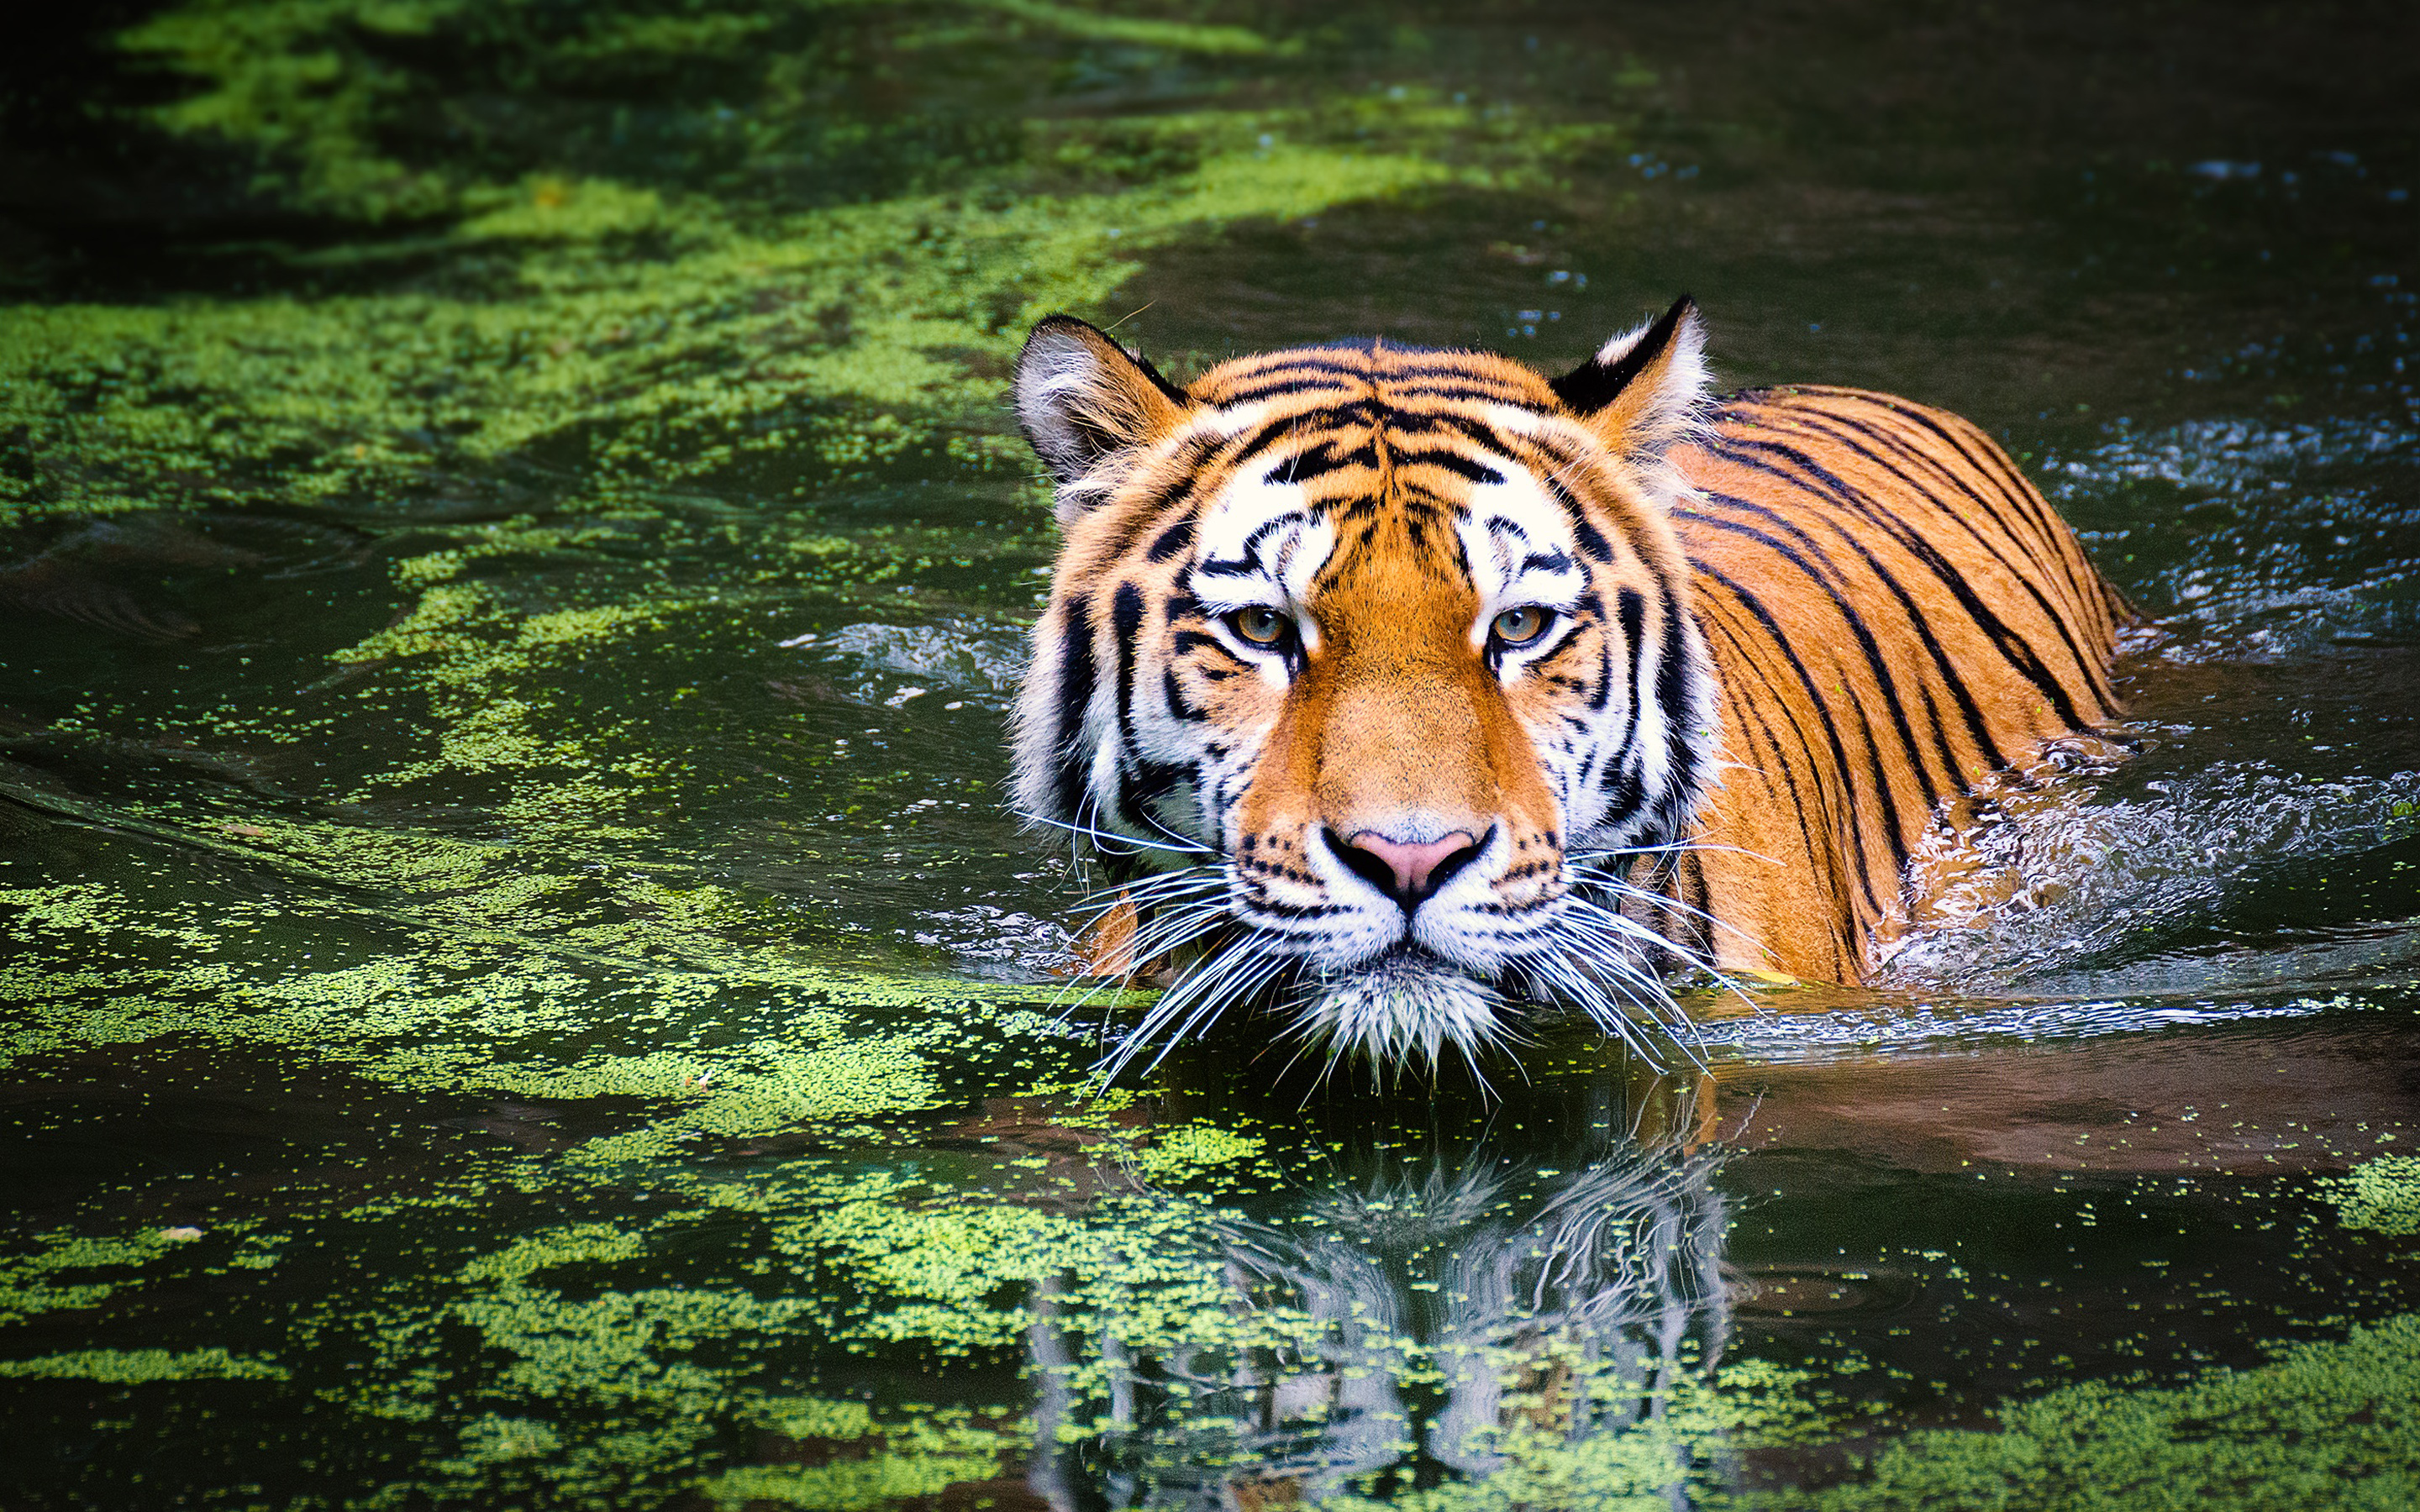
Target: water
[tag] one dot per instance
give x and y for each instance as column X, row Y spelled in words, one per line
column 521, row 990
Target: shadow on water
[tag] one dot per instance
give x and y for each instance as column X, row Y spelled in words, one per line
column 519, row 991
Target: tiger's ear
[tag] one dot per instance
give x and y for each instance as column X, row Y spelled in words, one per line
column 1081, row 399
column 1642, row 391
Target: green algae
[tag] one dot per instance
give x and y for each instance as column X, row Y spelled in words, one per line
column 29, row 1284
column 656, row 371
column 643, row 334
column 491, row 312
column 543, row 962
column 1176, row 1154
column 610, row 1357
column 595, row 1392
column 494, row 1439
column 471, row 1010
column 962, row 1270
column 545, row 965
column 909, row 1461
column 1673, row 1455
column 316, row 88
column 127, row 1367
column 1178, row 36
column 2382, row 1195
column 2323, row 1424
column 280, row 86
column 477, row 683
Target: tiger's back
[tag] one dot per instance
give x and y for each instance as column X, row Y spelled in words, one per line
column 1894, row 615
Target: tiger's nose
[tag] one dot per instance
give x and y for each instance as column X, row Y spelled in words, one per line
column 1407, row 871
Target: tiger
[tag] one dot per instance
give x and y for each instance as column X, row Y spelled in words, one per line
column 1412, row 695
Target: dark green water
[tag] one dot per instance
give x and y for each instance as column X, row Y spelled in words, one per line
column 519, row 991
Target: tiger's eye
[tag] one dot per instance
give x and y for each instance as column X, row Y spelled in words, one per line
column 1519, row 626
column 1260, row 624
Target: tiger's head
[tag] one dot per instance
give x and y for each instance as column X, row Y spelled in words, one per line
column 1371, row 671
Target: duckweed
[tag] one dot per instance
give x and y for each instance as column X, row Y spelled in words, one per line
column 648, row 336
column 2382, row 1195
column 127, row 1367
column 26, row 1286
column 2326, row 1425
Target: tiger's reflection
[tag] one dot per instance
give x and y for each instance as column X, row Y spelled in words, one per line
column 1415, row 1322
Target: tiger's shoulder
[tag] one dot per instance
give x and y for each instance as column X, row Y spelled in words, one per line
column 1895, row 614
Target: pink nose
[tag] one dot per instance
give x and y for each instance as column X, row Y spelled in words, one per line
column 1412, row 870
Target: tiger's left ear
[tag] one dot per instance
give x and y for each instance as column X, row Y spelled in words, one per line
column 1083, row 400
column 1642, row 391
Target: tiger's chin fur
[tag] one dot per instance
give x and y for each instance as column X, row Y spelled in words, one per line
column 1405, row 1005
column 1406, row 692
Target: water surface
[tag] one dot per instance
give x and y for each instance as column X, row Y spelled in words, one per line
column 522, row 991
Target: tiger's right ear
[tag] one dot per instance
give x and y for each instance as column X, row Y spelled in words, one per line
column 1082, row 399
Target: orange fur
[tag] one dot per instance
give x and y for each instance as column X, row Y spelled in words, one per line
column 1819, row 846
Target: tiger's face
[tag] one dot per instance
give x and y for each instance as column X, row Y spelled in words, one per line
column 1371, row 671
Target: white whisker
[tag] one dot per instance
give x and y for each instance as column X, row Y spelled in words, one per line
column 1111, row 840
column 1678, row 847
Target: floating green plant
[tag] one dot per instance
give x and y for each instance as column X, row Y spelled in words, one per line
column 2382, row 1195
column 136, row 1366
column 2323, row 1424
column 638, row 333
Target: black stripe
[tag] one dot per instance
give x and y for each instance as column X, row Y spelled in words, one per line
column 1283, row 388
column 1125, row 626
column 1592, row 543
column 1478, row 432
column 1451, row 462
column 1284, row 910
column 1621, row 784
column 1876, row 664
column 2044, row 528
column 1320, row 460
column 1179, row 706
column 1832, row 738
column 1823, row 843
column 1139, row 780
column 2036, row 510
column 1261, row 532
column 1643, row 543
column 1978, row 728
column 1601, row 691
column 1077, row 679
column 1140, row 516
column 2015, row 649
column 1249, row 564
column 2047, row 529
column 1622, row 774
column 1176, row 538
column 1259, row 441
column 1832, row 582
column 1461, row 394
column 1672, row 696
